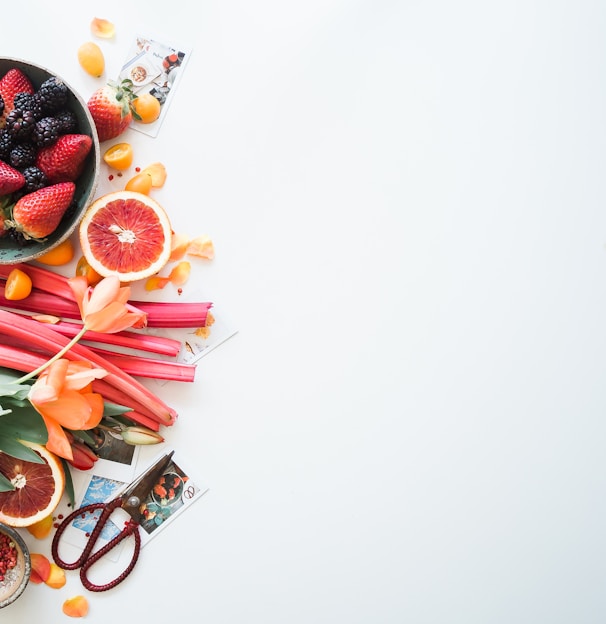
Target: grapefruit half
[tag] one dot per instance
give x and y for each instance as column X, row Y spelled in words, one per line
column 126, row 234
column 38, row 487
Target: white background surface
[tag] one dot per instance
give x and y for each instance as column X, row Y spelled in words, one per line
column 407, row 204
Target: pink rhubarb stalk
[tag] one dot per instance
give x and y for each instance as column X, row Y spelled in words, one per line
column 61, row 301
column 39, row 336
column 128, row 339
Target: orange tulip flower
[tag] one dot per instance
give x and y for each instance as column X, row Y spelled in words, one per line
column 62, row 395
column 104, row 307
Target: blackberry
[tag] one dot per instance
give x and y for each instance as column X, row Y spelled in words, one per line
column 29, row 102
column 6, row 144
column 69, row 122
column 35, row 179
column 52, row 95
column 20, row 124
column 23, row 155
column 46, row 131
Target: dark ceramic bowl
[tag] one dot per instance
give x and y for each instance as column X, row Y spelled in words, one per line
column 10, row 251
column 16, row 579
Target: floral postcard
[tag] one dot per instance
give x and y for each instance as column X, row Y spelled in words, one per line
column 173, row 493
column 154, row 66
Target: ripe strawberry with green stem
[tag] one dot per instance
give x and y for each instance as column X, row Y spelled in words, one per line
column 13, row 82
column 65, row 159
column 111, row 109
column 11, row 179
column 37, row 215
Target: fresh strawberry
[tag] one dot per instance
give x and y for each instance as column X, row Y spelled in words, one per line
column 111, row 109
column 64, row 160
column 11, row 180
column 13, row 82
column 37, row 214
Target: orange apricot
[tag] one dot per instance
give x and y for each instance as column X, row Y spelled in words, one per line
column 91, row 59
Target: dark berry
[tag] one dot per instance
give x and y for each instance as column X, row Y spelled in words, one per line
column 46, row 131
column 28, row 102
column 52, row 95
column 23, row 155
column 20, row 124
column 1, row 105
column 6, row 144
column 69, row 122
column 35, row 179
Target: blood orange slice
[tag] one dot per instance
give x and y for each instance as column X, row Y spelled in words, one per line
column 38, row 487
column 127, row 234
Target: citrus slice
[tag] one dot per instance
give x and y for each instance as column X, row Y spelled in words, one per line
column 38, row 487
column 119, row 156
column 126, row 234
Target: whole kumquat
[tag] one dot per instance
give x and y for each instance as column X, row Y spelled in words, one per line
column 61, row 254
column 119, row 156
column 91, row 59
column 85, row 269
column 147, row 107
column 18, row 285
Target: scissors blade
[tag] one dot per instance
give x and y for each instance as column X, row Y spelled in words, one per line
column 137, row 492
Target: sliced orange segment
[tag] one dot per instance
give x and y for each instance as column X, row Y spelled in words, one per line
column 119, row 156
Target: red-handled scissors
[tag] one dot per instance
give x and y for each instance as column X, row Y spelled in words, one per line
column 130, row 500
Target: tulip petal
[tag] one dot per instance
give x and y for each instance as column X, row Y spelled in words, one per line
column 104, row 293
column 57, row 442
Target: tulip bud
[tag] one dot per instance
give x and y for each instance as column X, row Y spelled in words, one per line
column 84, row 457
column 140, row 435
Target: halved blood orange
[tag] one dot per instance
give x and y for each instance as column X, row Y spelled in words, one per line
column 127, row 234
column 38, row 487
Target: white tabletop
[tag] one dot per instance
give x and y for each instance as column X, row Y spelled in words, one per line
column 407, row 205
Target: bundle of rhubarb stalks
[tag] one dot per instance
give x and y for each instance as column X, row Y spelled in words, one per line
column 37, row 327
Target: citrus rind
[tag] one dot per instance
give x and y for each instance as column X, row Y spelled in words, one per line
column 126, row 234
column 43, row 477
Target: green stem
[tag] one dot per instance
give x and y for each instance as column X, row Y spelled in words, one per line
column 55, row 357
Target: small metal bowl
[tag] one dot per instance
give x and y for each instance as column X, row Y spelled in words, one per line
column 10, row 251
column 16, row 579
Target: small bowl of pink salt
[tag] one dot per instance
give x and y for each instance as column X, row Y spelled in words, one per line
column 15, row 565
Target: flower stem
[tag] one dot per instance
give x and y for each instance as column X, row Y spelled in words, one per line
column 55, row 357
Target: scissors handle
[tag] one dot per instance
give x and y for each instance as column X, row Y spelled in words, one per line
column 86, row 560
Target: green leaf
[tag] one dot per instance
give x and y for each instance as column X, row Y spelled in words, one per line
column 69, row 483
column 14, row 448
column 24, row 424
column 113, row 409
column 5, row 484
